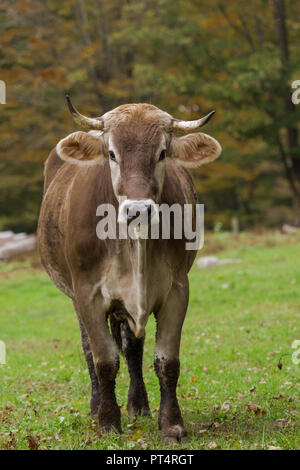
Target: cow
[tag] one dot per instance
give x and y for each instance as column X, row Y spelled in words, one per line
column 131, row 159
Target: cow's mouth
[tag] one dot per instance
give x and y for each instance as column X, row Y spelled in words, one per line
column 139, row 217
column 138, row 212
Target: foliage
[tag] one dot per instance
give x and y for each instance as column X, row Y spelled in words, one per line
column 185, row 56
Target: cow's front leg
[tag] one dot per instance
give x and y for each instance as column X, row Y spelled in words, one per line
column 169, row 324
column 105, row 357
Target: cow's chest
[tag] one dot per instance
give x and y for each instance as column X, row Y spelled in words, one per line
column 140, row 280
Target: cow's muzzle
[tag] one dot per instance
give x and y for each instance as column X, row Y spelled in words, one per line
column 143, row 211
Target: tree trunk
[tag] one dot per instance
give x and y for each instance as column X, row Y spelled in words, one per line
column 289, row 148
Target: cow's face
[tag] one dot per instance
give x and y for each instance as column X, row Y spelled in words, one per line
column 137, row 158
column 137, row 140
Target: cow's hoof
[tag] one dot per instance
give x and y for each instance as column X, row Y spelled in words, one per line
column 105, row 429
column 109, row 419
column 134, row 411
column 176, row 433
column 137, row 404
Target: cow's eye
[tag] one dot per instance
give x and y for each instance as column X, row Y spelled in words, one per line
column 162, row 155
column 112, row 156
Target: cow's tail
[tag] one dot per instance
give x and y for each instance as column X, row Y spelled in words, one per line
column 115, row 326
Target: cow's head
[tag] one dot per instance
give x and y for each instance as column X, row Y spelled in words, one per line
column 137, row 139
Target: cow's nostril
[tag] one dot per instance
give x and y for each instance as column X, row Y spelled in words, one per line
column 132, row 214
column 129, row 216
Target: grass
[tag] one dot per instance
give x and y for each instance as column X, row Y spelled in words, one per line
column 242, row 319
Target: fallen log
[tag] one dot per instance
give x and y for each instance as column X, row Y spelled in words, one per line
column 14, row 244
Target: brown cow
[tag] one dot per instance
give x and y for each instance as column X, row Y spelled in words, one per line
column 131, row 151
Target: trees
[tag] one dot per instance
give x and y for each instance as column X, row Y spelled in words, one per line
column 251, row 53
column 288, row 142
column 186, row 56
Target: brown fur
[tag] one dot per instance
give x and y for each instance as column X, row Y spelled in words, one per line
column 170, row 420
column 82, row 148
column 109, row 411
column 134, row 114
column 195, row 149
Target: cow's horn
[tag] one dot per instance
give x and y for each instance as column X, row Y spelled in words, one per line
column 192, row 125
column 85, row 122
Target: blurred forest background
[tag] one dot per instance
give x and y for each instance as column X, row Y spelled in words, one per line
column 186, row 57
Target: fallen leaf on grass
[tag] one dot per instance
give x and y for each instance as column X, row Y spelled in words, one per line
column 213, row 446
column 33, row 442
column 273, row 448
column 143, row 444
column 277, row 397
column 136, row 436
column 5, row 413
column 87, row 442
column 256, row 409
column 236, row 445
column 202, row 431
column 11, row 444
column 288, row 385
column 225, row 285
column 226, row 406
column 133, row 425
column 216, row 425
column 283, row 423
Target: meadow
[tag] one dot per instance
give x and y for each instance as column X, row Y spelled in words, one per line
column 238, row 388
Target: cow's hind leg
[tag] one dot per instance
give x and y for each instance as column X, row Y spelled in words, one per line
column 95, row 397
column 169, row 324
column 132, row 348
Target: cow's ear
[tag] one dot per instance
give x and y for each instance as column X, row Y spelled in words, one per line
column 82, row 148
column 194, row 150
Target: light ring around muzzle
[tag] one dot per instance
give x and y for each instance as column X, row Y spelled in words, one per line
column 130, row 209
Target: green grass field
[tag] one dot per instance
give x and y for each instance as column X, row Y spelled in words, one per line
column 242, row 319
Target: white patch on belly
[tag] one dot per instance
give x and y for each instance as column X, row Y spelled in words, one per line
column 105, row 293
